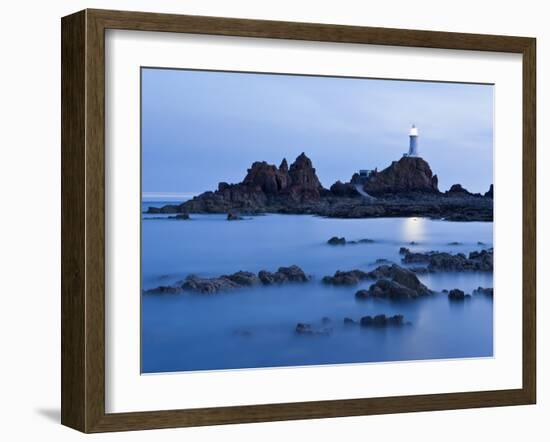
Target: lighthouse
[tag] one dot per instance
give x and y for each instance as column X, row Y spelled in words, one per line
column 413, row 142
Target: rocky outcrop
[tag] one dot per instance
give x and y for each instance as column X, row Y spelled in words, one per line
column 406, row 188
column 385, row 288
column 268, row 178
column 489, row 193
column 341, row 241
column 264, row 186
column 456, row 190
column 409, row 174
column 336, row 241
column 344, row 190
column 486, row 291
column 308, row 329
column 350, row 277
column 165, row 290
column 393, row 281
column 443, row 261
column 179, row 216
column 232, row 216
column 284, row 274
column 382, row 321
column 304, row 184
column 238, row 280
column 457, row 295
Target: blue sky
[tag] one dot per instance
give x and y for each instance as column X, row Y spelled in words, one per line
column 200, row 128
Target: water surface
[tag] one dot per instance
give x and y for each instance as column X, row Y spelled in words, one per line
column 254, row 327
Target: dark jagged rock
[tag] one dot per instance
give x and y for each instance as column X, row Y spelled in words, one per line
column 351, row 277
column 208, row 285
column 170, row 208
column 244, row 279
column 390, row 289
column 282, row 275
column 304, row 181
column 484, row 291
column 341, row 241
column 344, row 190
column 409, row 174
column 335, row 241
column 231, row 216
column 443, row 261
column 293, row 273
column 308, row 329
column 271, row 278
column 489, row 193
column 362, row 241
column 457, row 295
column 456, row 190
column 406, row 188
column 182, row 216
column 165, row 290
column 404, row 251
column 393, row 282
column 349, row 321
column 382, row 321
column 267, row 177
column 385, row 288
column 237, row 280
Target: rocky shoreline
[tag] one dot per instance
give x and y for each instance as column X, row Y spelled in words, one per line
column 238, row 280
column 390, row 281
column 406, row 188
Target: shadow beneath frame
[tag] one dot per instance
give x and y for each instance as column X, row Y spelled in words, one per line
column 51, row 414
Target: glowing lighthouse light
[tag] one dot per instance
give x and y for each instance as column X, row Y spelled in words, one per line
column 413, row 142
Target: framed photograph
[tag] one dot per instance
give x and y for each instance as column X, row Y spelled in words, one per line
column 269, row 220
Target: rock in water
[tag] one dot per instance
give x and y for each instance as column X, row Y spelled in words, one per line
column 351, row 277
column 308, row 329
column 165, row 290
column 409, row 174
column 443, row 261
column 243, row 278
column 231, row 216
column 484, row 291
column 457, row 295
column 382, row 321
column 282, row 275
column 335, row 241
column 293, row 273
column 393, row 281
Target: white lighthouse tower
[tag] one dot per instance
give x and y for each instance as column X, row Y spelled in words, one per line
column 413, row 142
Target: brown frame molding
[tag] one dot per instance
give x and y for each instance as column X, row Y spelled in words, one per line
column 83, row 217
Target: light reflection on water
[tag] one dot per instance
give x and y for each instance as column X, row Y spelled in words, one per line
column 255, row 327
column 413, row 230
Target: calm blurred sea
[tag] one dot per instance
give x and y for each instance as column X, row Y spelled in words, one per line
column 255, row 327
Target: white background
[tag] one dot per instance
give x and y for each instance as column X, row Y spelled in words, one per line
column 30, row 233
column 128, row 391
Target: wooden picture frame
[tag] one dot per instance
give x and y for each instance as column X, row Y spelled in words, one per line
column 83, row 220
